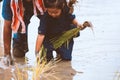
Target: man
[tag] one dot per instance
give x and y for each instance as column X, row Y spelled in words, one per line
column 20, row 44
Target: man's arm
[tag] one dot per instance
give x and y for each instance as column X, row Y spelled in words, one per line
column 7, row 33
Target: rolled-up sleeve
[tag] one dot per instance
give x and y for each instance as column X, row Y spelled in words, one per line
column 42, row 26
column 6, row 10
column 71, row 17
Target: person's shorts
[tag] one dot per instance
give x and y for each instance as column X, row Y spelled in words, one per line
column 6, row 10
column 20, row 45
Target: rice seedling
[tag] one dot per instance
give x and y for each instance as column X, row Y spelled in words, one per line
column 19, row 73
column 42, row 68
column 66, row 36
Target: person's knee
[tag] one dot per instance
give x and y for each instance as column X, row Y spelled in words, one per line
column 18, row 53
column 20, row 46
column 66, row 57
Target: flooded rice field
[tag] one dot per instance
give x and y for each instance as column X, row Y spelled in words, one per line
column 96, row 56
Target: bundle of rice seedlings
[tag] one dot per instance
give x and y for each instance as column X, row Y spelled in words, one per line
column 59, row 40
column 66, row 36
column 19, row 73
column 41, row 57
column 42, row 68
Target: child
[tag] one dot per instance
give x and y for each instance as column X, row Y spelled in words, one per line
column 56, row 20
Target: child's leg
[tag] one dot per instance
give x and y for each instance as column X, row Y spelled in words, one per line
column 66, row 51
column 49, row 50
column 20, row 45
column 49, row 55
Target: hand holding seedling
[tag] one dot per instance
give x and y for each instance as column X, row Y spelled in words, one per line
column 85, row 24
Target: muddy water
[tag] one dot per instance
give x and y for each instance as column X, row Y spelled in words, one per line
column 96, row 56
column 1, row 46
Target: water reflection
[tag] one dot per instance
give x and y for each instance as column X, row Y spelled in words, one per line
column 61, row 70
column 5, row 74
